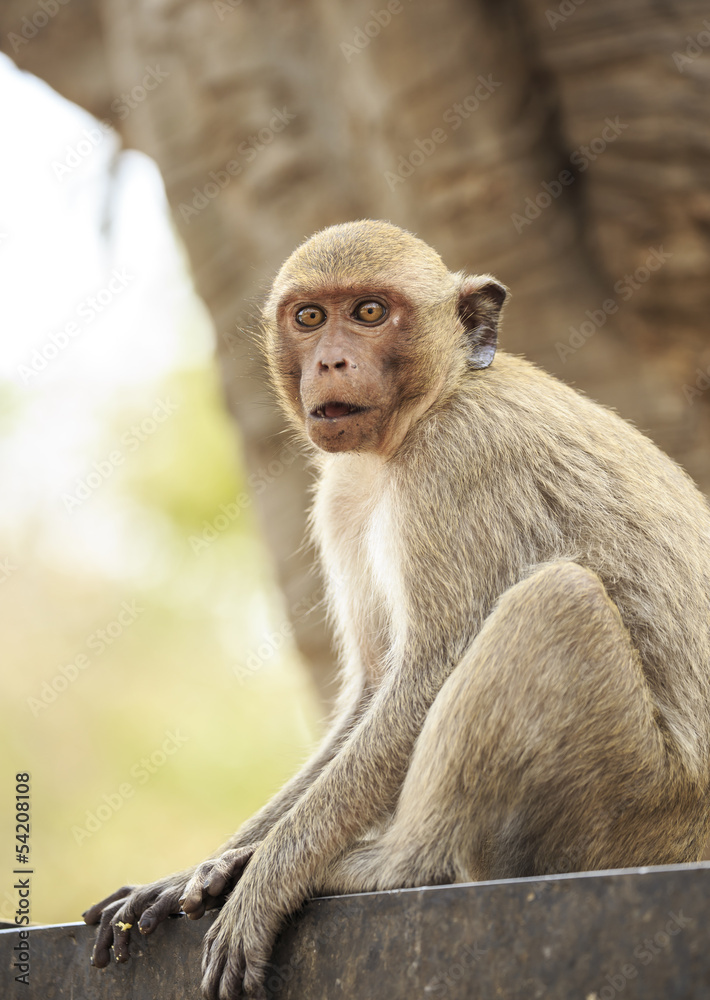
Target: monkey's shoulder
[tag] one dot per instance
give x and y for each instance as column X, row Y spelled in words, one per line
column 516, row 389
column 514, row 430
column 518, row 405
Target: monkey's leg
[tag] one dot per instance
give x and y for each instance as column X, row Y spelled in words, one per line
column 542, row 753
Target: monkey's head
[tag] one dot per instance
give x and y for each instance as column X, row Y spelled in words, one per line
column 366, row 329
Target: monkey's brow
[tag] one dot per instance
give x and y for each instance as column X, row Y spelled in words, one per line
column 299, row 293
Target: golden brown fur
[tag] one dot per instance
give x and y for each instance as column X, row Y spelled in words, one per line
column 520, row 586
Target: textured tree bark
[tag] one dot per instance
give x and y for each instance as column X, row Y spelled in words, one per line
column 463, row 121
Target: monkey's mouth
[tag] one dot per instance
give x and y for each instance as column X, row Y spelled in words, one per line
column 335, row 410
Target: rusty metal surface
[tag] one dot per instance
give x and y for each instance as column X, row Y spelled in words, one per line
column 639, row 934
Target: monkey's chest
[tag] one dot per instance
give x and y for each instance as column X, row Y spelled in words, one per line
column 363, row 567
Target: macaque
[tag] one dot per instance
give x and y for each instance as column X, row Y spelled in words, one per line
column 519, row 582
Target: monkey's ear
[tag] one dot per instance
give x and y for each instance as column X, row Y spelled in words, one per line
column 480, row 301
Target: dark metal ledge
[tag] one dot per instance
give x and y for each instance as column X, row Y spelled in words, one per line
column 640, row 933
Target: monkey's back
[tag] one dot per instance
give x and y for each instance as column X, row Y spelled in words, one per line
column 534, row 471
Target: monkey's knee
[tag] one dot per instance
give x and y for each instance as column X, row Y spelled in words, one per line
column 559, row 622
column 554, row 594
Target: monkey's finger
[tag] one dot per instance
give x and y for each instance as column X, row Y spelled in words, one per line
column 93, row 914
column 209, row 903
column 222, row 969
column 166, row 905
column 121, row 939
column 191, row 899
column 227, row 870
column 215, row 877
column 101, row 955
column 217, row 882
column 195, row 893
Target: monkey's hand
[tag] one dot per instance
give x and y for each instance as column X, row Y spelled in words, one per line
column 215, row 877
column 239, row 942
column 144, row 906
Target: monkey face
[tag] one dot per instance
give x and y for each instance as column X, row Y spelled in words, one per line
column 365, row 329
column 343, row 351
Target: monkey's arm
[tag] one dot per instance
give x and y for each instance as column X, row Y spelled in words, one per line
column 356, row 789
column 203, row 886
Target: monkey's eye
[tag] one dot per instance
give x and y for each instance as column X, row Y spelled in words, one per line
column 310, row 316
column 369, row 312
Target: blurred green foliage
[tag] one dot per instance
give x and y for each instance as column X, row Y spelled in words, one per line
column 187, row 468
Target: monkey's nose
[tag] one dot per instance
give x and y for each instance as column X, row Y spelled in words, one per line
column 334, row 364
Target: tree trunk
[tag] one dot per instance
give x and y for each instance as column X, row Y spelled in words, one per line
column 465, row 122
